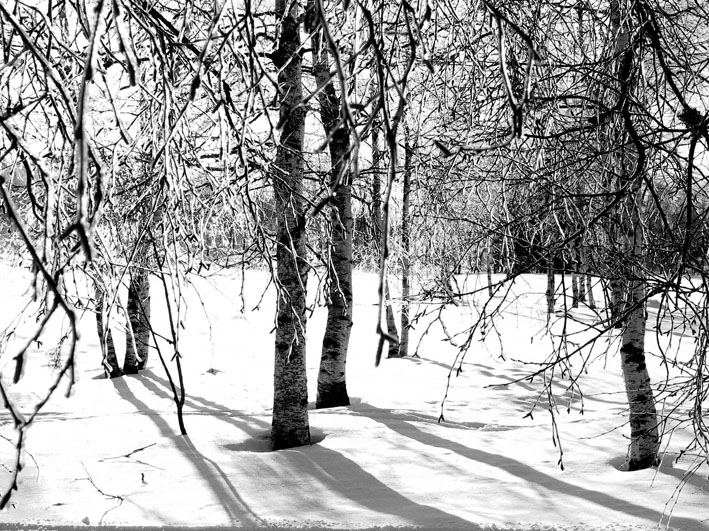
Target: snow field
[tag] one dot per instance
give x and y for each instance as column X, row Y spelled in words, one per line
column 111, row 454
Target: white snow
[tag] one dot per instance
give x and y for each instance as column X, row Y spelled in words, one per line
column 383, row 462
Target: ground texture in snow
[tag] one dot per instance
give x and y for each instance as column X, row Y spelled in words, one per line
column 111, row 453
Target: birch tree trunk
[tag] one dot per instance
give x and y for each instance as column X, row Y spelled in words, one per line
column 644, row 436
column 289, row 425
column 138, row 303
column 105, row 338
column 332, row 385
column 378, row 227
column 138, row 308
column 617, row 301
column 406, row 243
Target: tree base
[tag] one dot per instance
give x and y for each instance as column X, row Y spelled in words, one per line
column 332, row 396
column 130, row 368
column 115, row 372
column 394, row 351
column 643, row 463
column 283, row 439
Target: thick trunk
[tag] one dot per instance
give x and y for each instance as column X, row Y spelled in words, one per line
column 332, row 385
column 138, row 332
column 105, row 339
column 290, row 426
column 644, row 433
column 406, row 243
column 644, row 438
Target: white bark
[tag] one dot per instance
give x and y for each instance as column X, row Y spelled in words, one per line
column 290, row 426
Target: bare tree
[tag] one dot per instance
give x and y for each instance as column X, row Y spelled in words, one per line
column 377, row 155
column 290, row 425
column 105, row 335
column 332, row 384
column 644, row 439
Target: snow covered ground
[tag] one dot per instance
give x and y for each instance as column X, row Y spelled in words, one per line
column 111, row 454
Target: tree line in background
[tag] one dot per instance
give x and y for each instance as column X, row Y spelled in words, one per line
column 423, row 140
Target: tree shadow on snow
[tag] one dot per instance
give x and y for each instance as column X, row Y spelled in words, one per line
column 504, row 377
column 222, row 488
column 697, row 480
column 249, row 424
column 345, row 477
column 422, row 359
column 258, row 431
column 329, row 467
column 401, row 423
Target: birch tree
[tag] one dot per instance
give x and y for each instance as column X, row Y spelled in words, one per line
column 290, row 426
column 644, row 439
column 377, row 221
column 332, row 384
column 105, row 335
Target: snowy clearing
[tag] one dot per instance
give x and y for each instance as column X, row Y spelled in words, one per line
column 111, row 454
